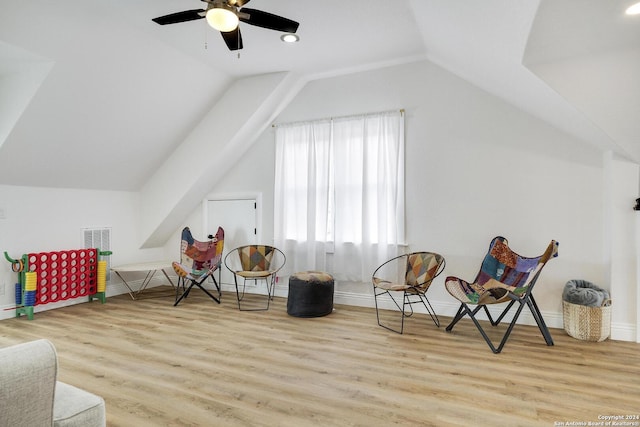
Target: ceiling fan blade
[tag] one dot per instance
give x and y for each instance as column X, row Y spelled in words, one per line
column 268, row 20
column 233, row 39
column 175, row 18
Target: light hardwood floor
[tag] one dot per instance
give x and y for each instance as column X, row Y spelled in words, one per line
column 204, row 364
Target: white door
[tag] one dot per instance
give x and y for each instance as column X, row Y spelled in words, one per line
column 238, row 219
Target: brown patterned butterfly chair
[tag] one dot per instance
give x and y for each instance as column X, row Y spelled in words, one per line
column 254, row 264
column 198, row 262
column 504, row 277
column 409, row 275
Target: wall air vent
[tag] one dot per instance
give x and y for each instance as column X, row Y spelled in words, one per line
column 99, row 238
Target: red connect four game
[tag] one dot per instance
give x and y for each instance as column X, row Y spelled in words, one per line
column 64, row 275
column 47, row 277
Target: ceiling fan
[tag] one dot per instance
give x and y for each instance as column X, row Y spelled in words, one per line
column 224, row 16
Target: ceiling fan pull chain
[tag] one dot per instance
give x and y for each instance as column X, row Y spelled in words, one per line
column 206, row 46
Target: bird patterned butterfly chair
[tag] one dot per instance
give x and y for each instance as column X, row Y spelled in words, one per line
column 254, row 263
column 198, row 262
column 504, row 277
column 412, row 275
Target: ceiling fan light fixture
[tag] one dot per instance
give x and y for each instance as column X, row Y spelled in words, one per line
column 634, row 9
column 222, row 18
column 289, row 38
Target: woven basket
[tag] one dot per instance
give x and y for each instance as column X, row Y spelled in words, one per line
column 587, row 323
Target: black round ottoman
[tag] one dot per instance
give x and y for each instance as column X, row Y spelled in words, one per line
column 310, row 294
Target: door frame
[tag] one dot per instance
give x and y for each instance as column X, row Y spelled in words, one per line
column 213, row 197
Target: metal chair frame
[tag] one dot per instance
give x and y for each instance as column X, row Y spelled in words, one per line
column 410, row 294
column 524, row 299
column 199, row 284
column 199, row 280
column 528, row 300
column 269, row 276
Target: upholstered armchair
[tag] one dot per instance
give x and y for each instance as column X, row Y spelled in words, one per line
column 30, row 395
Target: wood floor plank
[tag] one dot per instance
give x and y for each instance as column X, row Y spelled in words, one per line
column 204, row 364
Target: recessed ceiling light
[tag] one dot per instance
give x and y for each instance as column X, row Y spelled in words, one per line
column 289, row 38
column 633, row 9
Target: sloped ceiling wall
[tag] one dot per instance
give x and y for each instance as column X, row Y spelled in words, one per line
column 122, row 92
column 492, row 44
column 113, row 106
column 105, row 96
column 594, row 63
column 210, row 150
column 21, row 75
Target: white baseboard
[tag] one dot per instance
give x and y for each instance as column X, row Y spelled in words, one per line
column 619, row 331
column 113, row 289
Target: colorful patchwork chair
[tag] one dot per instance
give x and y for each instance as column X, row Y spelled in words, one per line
column 411, row 274
column 504, row 276
column 198, row 262
column 255, row 263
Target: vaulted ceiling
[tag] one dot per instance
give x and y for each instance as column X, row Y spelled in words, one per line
column 96, row 95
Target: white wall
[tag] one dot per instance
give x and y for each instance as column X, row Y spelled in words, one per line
column 476, row 168
column 46, row 219
column 621, row 178
column 219, row 140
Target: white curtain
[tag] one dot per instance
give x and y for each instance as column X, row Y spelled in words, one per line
column 339, row 193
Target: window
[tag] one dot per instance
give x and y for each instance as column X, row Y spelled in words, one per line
column 340, row 190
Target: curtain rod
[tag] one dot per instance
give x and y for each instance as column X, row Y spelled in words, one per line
column 273, row 125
